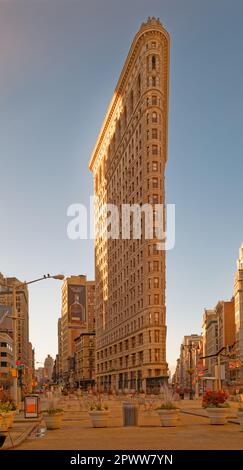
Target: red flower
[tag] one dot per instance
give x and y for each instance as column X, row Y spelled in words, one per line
column 214, row 398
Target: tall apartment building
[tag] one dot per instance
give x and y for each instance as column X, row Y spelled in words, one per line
column 210, row 341
column 225, row 312
column 6, row 361
column 31, row 371
column 238, row 297
column 22, row 322
column 128, row 165
column 190, row 353
column 77, row 315
column 91, row 305
column 59, row 362
column 85, row 360
column 48, row 365
column 219, row 335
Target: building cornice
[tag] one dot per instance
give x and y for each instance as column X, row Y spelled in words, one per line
column 152, row 25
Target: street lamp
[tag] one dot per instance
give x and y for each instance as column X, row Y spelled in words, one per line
column 14, row 317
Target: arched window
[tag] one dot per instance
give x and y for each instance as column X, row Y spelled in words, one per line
column 153, row 62
column 154, row 117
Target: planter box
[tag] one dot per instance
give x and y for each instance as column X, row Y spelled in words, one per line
column 240, row 416
column 217, row 415
column 10, row 417
column 148, row 418
column 4, row 422
column 168, row 417
column 53, row 421
column 99, row 419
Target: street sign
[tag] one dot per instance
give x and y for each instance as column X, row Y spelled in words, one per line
column 13, row 372
column 220, row 372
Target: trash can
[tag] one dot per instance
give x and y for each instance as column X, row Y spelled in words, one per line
column 130, row 414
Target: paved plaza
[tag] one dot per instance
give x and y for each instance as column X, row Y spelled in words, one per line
column 193, row 431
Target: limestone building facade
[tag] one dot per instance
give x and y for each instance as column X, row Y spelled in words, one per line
column 128, row 164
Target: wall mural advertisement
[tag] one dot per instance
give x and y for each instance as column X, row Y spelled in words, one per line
column 77, row 304
column 6, row 323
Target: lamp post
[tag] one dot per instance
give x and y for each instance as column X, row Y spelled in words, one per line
column 14, row 317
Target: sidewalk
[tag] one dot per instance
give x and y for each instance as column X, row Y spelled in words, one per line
column 19, row 432
column 194, row 407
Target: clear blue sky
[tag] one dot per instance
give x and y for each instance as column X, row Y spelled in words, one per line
column 59, row 63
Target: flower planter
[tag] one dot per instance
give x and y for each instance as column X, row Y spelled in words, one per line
column 217, row 415
column 168, row 417
column 99, row 419
column 10, row 417
column 240, row 416
column 4, row 422
column 53, row 421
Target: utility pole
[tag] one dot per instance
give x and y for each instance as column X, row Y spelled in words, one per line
column 15, row 378
column 219, row 372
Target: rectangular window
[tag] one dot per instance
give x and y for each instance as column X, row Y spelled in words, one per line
column 157, row 355
column 155, row 183
column 154, row 100
column 150, row 355
column 154, row 133
column 155, row 150
column 155, row 166
column 155, row 266
column 156, row 336
column 150, row 336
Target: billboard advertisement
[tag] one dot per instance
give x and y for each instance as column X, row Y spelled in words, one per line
column 76, row 304
column 6, row 323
